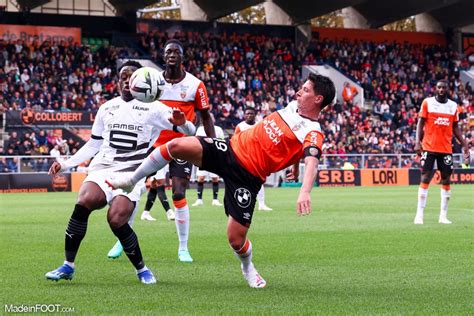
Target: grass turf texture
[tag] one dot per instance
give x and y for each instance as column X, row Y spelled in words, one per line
column 358, row 253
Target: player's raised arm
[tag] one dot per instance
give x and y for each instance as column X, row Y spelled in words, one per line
column 90, row 148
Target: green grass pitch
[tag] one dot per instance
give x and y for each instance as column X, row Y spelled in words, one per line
column 358, row 253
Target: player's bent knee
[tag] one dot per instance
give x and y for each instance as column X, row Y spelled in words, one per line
column 117, row 219
column 236, row 243
column 177, row 196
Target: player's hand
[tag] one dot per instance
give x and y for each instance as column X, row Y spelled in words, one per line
column 55, row 168
column 178, row 118
column 303, row 204
column 418, row 149
column 293, row 174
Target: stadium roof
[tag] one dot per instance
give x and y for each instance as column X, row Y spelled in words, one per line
column 449, row 13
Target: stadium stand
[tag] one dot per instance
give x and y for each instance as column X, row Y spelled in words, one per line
column 243, row 71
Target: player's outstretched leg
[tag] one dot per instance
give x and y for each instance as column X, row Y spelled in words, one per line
column 75, row 232
column 236, row 233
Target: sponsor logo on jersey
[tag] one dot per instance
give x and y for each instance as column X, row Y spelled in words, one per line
column 140, row 108
column 273, row 131
column 444, row 121
column 243, row 197
column 202, row 95
column 129, row 127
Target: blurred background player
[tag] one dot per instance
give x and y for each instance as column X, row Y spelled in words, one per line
column 244, row 162
column 243, row 126
column 123, row 132
column 157, row 188
column 201, row 175
column 434, row 132
column 188, row 93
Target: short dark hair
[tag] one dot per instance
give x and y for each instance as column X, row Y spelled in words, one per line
column 130, row 63
column 443, row 81
column 174, row 41
column 323, row 86
column 250, row 108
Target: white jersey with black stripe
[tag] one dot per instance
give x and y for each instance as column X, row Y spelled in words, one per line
column 128, row 129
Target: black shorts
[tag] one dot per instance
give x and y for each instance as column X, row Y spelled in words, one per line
column 180, row 169
column 241, row 187
column 443, row 161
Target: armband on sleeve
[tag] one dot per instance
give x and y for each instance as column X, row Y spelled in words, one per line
column 312, row 151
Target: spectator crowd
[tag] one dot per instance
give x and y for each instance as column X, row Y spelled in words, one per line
column 240, row 72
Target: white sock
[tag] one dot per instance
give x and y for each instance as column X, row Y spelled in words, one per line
column 71, row 264
column 245, row 256
column 158, row 158
column 182, row 225
column 445, row 196
column 422, row 197
column 261, row 196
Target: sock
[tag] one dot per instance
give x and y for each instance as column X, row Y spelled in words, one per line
column 422, row 197
column 261, row 196
column 445, row 196
column 158, row 158
column 75, row 231
column 200, row 188
column 215, row 190
column 163, row 198
column 150, row 198
column 129, row 241
column 182, row 223
column 245, row 255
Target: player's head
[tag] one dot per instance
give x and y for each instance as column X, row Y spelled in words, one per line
column 442, row 88
column 125, row 72
column 173, row 53
column 317, row 91
column 249, row 115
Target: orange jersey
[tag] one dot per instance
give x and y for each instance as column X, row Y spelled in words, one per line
column 438, row 131
column 188, row 95
column 276, row 142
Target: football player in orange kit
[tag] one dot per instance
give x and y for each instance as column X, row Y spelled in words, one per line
column 187, row 93
column 434, row 132
column 277, row 142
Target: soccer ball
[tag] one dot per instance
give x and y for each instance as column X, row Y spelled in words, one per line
column 146, row 84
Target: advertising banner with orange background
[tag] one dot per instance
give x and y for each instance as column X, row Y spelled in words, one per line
column 383, row 177
column 29, row 33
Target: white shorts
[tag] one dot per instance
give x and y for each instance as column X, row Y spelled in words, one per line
column 205, row 174
column 99, row 178
column 160, row 174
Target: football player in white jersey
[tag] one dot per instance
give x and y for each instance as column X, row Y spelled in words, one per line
column 124, row 130
column 249, row 122
column 203, row 174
